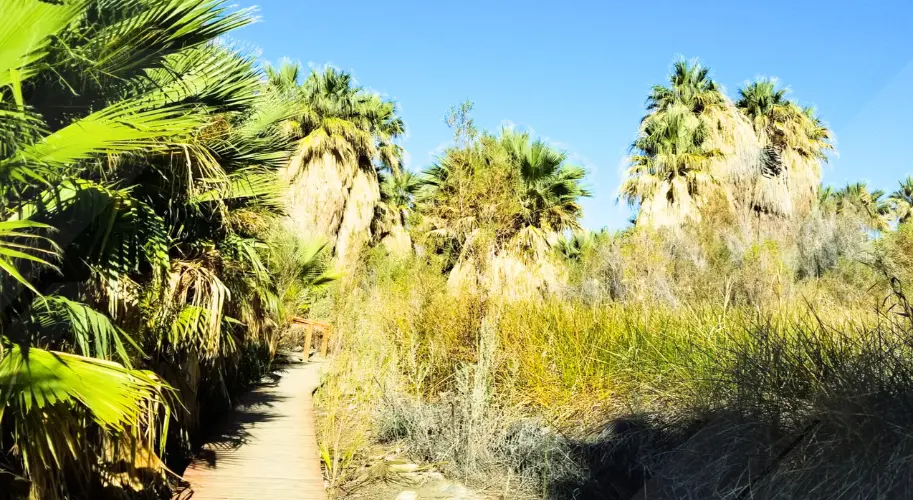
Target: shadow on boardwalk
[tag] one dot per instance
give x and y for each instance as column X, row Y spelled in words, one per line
column 255, row 408
column 265, row 447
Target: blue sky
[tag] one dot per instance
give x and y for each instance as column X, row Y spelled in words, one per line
column 577, row 73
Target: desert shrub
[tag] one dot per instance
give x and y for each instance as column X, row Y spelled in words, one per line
column 825, row 239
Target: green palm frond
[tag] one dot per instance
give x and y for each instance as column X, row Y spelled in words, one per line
column 576, row 245
column 247, row 252
column 553, row 187
column 690, row 86
column 209, row 75
column 115, row 397
column 18, row 127
column 55, row 396
column 124, row 127
column 113, row 228
column 23, row 241
column 23, row 48
column 91, row 332
column 113, row 49
column 255, row 185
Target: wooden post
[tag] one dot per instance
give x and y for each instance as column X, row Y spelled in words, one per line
column 326, row 341
column 307, row 341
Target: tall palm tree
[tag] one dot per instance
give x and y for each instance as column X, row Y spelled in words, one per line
column 782, row 122
column 346, row 135
column 795, row 140
column 686, row 141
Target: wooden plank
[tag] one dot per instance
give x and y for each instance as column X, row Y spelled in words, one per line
column 326, row 342
column 266, row 447
column 305, row 321
column 307, row 341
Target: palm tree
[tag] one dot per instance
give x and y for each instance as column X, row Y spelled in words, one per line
column 870, row 205
column 766, row 106
column 794, row 139
column 902, row 200
column 137, row 175
column 501, row 192
column 346, row 135
column 575, row 246
column 552, row 187
column 689, row 149
column 669, row 174
column 398, row 193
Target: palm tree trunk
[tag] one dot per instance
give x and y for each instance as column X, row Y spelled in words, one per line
column 355, row 228
column 332, row 199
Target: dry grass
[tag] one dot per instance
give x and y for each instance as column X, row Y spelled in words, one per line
column 700, row 369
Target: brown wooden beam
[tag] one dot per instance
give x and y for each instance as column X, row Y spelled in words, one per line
column 307, row 341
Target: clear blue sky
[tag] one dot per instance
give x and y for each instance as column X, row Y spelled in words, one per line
column 577, row 73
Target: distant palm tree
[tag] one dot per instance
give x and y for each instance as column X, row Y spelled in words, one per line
column 341, row 118
column 576, row 245
column 870, row 204
column 902, row 200
column 764, row 103
column 827, row 197
column 670, row 173
column 398, row 192
column 520, row 189
column 794, row 139
column 782, row 122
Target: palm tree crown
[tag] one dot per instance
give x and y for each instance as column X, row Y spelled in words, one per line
column 552, row 187
column 336, row 116
column 690, row 86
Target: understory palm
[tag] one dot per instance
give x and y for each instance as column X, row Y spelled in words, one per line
column 138, row 165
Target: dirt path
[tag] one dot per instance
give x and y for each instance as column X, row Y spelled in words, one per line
column 268, row 447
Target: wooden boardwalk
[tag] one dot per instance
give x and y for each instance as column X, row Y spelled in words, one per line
column 268, row 447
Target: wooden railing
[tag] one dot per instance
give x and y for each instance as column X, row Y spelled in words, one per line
column 323, row 329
